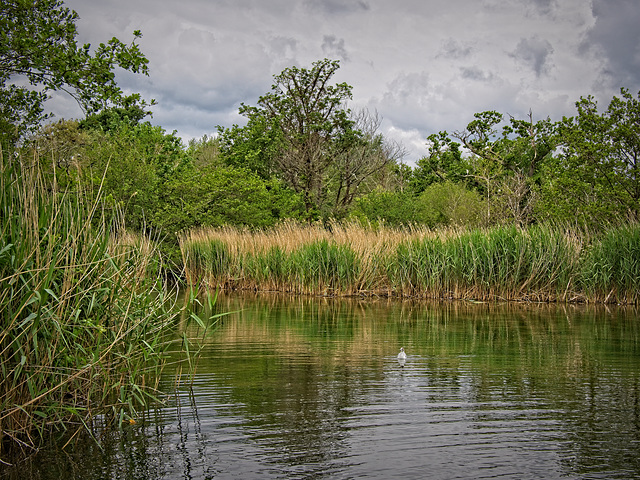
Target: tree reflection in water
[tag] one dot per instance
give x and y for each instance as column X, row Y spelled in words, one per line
column 312, row 388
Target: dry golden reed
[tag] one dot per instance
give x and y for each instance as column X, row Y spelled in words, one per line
column 539, row 263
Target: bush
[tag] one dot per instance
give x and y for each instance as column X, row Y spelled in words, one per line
column 449, row 204
column 383, row 206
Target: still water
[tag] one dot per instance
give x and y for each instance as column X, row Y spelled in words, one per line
column 312, row 388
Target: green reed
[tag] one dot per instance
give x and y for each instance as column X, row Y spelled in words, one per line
column 505, row 262
column 539, row 263
column 271, row 270
column 83, row 311
column 610, row 271
column 325, row 267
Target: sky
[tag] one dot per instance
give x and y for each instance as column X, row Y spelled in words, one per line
column 423, row 65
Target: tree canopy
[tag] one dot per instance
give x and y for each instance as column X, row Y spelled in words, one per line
column 309, row 113
column 596, row 176
column 39, row 54
column 303, row 132
column 303, row 153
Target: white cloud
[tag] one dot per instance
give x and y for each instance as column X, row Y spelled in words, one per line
column 424, row 66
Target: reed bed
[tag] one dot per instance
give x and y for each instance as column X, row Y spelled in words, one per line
column 540, row 263
column 610, row 271
column 83, row 313
column 340, row 258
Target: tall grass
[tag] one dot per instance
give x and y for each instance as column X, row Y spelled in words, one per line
column 342, row 259
column 83, row 311
column 540, row 263
column 505, row 262
column 324, row 266
column 611, row 268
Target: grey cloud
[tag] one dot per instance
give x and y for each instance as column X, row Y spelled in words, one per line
column 283, row 47
column 334, row 47
column 195, row 37
column 476, row 73
column 406, row 100
column 423, row 65
column 534, row 52
column 337, row 7
column 200, row 98
column 616, row 35
column 407, row 86
column 454, row 49
column 544, row 7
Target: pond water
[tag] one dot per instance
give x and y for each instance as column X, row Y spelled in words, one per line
column 312, row 388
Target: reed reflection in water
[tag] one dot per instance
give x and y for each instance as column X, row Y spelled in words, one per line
column 312, row 388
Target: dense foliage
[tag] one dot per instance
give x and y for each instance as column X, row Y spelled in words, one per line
column 39, row 54
column 302, row 154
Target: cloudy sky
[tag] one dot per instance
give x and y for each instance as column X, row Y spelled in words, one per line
column 423, row 65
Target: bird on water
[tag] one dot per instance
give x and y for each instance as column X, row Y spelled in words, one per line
column 402, row 355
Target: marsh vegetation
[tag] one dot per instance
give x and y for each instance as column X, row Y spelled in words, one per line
column 84, row 312
column 537, row 263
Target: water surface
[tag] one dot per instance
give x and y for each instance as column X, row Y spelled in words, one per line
column 312, row 388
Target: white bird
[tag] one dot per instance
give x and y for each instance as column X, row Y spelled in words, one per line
column 402, row 355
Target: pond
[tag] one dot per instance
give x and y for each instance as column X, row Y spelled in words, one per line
column 312, row 388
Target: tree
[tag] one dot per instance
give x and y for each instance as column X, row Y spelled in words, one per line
column 205, row 151
column 38, row 46
column 449, row 204
column 443, row 163
column 309, row 115
column 393, row 208
column 506, row 164
column 112, row 118
column 253, row 146
column 596, row 177
column 362, row 157
column 126, row 166
column 217, row 196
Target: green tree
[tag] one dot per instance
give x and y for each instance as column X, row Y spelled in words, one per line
column 506, row 163
column 254, row 146
column 393, row 208
column 127, row 165
column 309, row 115
column 443, row 163
column 596, row 177
column 217, row 196
column 60, row 146
column 449, row 204
column 205, row 151
column 113, row 118
column 38, row 46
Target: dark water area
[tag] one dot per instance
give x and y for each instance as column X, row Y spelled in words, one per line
column 312, row 388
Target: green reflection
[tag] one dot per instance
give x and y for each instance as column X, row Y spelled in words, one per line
column 294, row 387
column 296, row 366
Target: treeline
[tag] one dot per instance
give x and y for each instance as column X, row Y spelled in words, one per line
column 302, row 156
